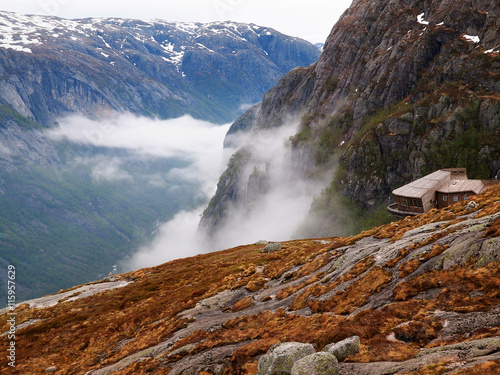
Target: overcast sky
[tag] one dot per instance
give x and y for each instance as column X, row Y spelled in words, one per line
column 311, row 20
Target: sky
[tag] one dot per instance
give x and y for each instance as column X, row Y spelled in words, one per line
column 311, row 20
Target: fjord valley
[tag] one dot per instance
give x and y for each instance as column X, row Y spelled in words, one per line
column 85, row 179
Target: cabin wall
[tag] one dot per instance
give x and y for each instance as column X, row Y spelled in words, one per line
column 447, row 199
column 429, row 200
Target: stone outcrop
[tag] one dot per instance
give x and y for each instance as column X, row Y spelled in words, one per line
column 280, row 359
column 316, row 364
column 272, row 247
column 343, row 349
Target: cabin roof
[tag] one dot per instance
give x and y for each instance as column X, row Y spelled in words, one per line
column 459, row 186
column 418, row 188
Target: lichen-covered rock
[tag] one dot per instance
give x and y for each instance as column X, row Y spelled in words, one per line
column 280, row 358
column 272, row 247
column 322, row 363
column 343, row 349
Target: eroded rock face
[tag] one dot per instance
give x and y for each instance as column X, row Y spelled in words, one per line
column 343, row 349
column 280, row 358
column 316, row 364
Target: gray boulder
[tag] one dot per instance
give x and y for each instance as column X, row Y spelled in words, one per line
column 272, row 247
column 344, row 348
column 322, row 363
column 262, row 242
column 280, row 358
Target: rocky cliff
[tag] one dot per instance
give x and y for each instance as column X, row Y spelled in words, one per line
column 400, row 90
column 422, row 295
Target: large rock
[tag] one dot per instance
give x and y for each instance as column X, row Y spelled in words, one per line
column 280, row 358
column 272, row 247
column 322, row 363
column 344, row 348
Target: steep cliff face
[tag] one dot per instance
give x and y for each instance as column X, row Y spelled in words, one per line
column 401, row 89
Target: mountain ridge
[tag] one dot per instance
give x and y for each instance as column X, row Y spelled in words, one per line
column 174, row 59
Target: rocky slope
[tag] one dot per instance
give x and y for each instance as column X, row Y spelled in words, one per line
column 400, row 90
column 422, row 294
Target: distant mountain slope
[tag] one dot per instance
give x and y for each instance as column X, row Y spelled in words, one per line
column 58, row 222
column 51, row 66
column 400, row 90
column 423, row 295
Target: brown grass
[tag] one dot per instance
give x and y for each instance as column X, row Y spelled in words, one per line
column 243, row 304
column 356, row 295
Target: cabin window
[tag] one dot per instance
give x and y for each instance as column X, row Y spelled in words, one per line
column 466, row 197
column 419, row 202
column 455, row 198
column 414, row 203
column 445, row 198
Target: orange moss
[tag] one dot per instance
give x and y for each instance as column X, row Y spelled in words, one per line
column 408, row 268
column 243, row 304
column 284, row 293
column 356, row 295
column 255, row 285
column 494, row 229
column 317, row 290
column 444, row 366
column 486, row 368
column 313, row 265
column 380, row 349
column 457, row 285
column 402, row 253
column 295, row 254
column 420, row 332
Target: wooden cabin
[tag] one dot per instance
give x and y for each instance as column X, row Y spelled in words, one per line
column 436, row 190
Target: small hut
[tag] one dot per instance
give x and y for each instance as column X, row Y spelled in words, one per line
column 436, row 190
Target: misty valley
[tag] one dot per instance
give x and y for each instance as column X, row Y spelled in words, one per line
column 74, row 220
column 110, row 128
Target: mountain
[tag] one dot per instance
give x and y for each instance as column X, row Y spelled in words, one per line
column 70, row 211
column 422, row 294
column 400, row 90
column 51, row 66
